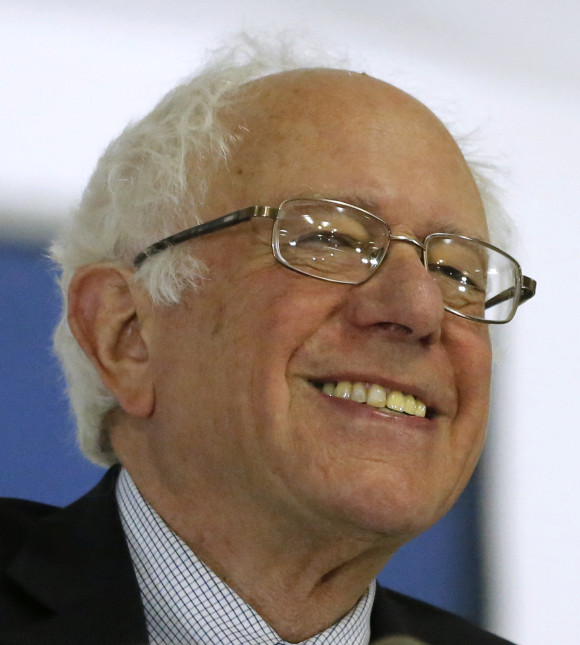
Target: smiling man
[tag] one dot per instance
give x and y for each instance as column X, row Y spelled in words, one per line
column 278, row 290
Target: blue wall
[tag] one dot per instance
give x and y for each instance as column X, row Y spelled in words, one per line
column 39, row 459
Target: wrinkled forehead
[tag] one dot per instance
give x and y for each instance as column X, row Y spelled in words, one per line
column 316, row 131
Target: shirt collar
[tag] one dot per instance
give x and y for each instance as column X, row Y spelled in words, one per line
column 185, row 602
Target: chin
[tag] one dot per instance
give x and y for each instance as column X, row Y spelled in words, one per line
column 383, row 512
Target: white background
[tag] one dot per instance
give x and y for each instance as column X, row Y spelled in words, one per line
column 72, row 73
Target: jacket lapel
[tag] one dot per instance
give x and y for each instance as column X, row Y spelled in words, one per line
column 76, row 563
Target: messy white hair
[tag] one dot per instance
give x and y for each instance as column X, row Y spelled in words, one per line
column 151, row 182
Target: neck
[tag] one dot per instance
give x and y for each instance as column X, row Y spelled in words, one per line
column 299, row 594
column 299, row 579
column 301, row 572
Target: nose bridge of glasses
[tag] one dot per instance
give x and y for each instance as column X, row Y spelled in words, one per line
column 407, row 239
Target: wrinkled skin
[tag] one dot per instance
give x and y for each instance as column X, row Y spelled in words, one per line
column 230, row 440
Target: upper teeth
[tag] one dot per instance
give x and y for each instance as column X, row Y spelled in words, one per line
column 376, row 396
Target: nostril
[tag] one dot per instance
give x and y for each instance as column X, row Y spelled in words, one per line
column 396, row 329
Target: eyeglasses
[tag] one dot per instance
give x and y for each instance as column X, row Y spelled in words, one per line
column 338, row 242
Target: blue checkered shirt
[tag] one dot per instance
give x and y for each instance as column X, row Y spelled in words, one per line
column 187, row 604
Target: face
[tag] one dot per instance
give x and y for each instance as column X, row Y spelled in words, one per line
column 239, row 366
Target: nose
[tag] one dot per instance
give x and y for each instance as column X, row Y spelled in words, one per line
column 401, row 298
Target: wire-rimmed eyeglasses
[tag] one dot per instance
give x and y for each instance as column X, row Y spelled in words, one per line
column 339, row 242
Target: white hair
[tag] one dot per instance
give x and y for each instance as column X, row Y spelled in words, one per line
column 149, row 183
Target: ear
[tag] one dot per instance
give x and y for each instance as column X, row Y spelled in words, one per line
column 104, row 312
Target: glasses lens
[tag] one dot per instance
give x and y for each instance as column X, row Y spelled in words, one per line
column 329, row 240
column 475, row 279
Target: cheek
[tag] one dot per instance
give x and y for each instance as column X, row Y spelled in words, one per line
column 470, row 353
column 475, row 372
column 469, row 349
column 280, row 312
column 259, row 328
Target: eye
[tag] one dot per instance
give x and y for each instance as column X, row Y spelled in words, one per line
column 460, row 278
column 328, row 240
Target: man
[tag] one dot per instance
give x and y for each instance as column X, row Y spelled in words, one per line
column 292, row 392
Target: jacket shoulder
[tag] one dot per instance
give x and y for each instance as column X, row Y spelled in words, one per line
column 394, row 612
column 17, row 516
column 66, row 575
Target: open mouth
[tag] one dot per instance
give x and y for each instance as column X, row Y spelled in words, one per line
column 377, row 397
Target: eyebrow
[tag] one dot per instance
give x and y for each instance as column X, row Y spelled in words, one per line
column 352, row 199
column 453, row 229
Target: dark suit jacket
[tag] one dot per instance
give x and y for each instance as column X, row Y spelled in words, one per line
column 66, row 578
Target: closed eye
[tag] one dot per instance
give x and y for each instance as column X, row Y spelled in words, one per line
column 456, row 275
column 328, row 240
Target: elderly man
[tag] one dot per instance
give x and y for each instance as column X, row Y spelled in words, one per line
column 278, row 290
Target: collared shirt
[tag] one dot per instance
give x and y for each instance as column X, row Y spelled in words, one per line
column 187, row 604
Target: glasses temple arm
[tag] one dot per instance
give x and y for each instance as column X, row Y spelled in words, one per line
column 527, row 291
column 196, row 231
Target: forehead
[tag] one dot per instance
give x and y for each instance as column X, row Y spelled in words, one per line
column 344, row 135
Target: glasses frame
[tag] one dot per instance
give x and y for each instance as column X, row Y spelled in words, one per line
column 525, row 287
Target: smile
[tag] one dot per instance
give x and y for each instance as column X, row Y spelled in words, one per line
column 375, row 396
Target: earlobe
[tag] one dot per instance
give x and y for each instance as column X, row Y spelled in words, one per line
column 105, row 316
